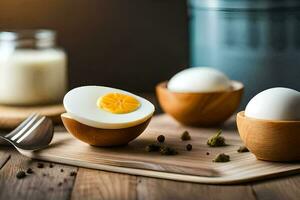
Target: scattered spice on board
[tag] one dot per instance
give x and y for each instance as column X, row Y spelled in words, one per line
column 59, row 184
column 152, row 147
column 20, row 175
column 189, row 147
column 168, row 151
column 243, row 149
column 207, row 153
column 61, row 170
column 185, row 136
column 222, row 158
column 51, row 165
column 161, row 139
column 216, row 140
column 73, row 174
column 40, row 165
column 29, row 171
column 163, row 149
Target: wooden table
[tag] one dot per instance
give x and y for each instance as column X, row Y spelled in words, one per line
column 55, row 182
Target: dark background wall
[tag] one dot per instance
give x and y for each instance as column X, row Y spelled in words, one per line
column 127, row 44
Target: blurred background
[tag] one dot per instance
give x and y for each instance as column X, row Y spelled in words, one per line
column 135, row 44
column 126, row 44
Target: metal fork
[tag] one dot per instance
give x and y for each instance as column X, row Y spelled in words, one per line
column 35, row 132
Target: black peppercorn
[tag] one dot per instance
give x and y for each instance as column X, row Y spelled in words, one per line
column 21, row 174
column 29, row 171
column 161, row 139
column 51, row 165
column 189, row 147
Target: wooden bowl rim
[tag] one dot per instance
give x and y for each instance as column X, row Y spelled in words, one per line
column 242, row 115
column 236, row 86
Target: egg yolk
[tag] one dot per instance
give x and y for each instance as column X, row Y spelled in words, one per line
column 118, row 103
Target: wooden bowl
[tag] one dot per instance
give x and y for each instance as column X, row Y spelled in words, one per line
column 200, row 109
column 270, row 140
column 102, row 137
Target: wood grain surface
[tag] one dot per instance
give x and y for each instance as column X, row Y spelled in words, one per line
column 150, row 188
column 48, row 180
column 104, row 185
column 95, row 184
column 287, row 188
column 4, row 157
column 193, row 166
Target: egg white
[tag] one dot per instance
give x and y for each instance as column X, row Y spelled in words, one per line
column 275, row 104
column 199, row 79
column 81, row 104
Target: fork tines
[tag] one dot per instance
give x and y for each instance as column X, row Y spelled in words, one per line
column 25, row 128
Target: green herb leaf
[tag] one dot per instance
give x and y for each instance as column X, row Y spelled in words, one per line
column 216, row 140
column 222, row 158
column 185, row 136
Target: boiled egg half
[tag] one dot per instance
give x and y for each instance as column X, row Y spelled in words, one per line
column 106, row 107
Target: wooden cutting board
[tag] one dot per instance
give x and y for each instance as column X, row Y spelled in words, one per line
column 192, row 166
column 12, row 116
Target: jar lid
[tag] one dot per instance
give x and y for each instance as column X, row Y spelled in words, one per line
column 27, row 34
column 38, row 37
column 244, row 4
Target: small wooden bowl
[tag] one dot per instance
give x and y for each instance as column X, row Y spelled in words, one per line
column 270, row 140
column 200, row 109
column 102, row 137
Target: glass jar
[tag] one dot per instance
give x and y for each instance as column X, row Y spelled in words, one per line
column 33, row 69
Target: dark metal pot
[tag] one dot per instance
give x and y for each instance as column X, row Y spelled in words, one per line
column 254, row 41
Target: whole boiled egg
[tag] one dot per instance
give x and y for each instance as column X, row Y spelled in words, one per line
column 275, row 104
column 199, row 79
column 200, row 96
column 106, row 107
